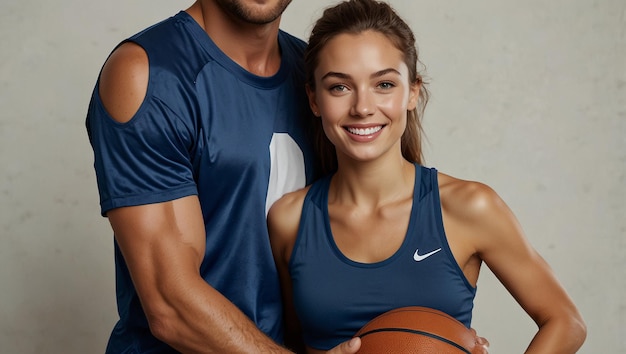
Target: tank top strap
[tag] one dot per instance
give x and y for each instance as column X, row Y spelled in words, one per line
column 425, row 228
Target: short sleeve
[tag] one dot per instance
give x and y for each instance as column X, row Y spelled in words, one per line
column 144, row 161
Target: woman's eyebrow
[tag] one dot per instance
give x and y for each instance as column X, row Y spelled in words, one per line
column 379, row 73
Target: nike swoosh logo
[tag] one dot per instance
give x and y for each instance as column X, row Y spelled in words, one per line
column 418, row 258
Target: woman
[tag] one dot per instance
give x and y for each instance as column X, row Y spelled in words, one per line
column 381, row 231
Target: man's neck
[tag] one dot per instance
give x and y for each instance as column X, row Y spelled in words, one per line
column 254, row 47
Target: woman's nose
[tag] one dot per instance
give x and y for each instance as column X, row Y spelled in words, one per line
column 363, row 104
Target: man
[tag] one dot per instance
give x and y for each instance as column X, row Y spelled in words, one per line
column 196, row 125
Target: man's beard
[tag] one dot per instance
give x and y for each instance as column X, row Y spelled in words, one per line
column 240, row 10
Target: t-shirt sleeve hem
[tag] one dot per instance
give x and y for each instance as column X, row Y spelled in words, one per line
column 142, row 199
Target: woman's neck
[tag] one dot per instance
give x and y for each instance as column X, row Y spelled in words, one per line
column 372, row 183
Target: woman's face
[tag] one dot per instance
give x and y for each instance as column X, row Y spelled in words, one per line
column 363, row 93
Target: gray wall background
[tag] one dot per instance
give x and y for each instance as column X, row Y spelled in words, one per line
column 527, row 96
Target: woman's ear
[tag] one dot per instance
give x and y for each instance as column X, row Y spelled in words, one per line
column 310, row 92
column 414, row 95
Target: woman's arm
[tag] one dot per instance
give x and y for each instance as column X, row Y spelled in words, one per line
column 283, row 220
column 488, row 225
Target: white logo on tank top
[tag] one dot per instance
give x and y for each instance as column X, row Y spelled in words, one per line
column 418, row 258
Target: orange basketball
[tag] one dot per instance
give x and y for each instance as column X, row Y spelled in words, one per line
column 415, row 330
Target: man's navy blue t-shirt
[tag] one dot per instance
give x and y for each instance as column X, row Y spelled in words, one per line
column 207, row 127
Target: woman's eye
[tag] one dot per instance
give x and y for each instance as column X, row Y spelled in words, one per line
column 338, row 88
column 386, row 85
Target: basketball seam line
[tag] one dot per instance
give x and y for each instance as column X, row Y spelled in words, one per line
column 415, row 332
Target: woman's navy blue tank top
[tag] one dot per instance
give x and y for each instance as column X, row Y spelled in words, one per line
column 335, row 296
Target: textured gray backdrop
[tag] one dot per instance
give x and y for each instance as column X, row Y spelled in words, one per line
column 527, row 96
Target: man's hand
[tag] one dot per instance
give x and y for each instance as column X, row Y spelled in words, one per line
column 348, row 347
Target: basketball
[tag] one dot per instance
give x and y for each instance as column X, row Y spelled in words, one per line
column 415, row 330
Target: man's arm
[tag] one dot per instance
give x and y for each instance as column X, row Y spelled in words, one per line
column 163, row 245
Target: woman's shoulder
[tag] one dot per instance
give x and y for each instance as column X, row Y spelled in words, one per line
column 468, row 199
column 290, row 201
column 283, row 218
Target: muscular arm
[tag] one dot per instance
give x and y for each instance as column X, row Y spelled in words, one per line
column 478, row 214
column 163, row 245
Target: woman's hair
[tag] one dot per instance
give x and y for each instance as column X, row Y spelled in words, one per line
column 354, row 17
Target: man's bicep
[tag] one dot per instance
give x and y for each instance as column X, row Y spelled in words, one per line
column 161, row 243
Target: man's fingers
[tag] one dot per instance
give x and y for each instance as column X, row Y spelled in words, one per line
column 349, row 347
